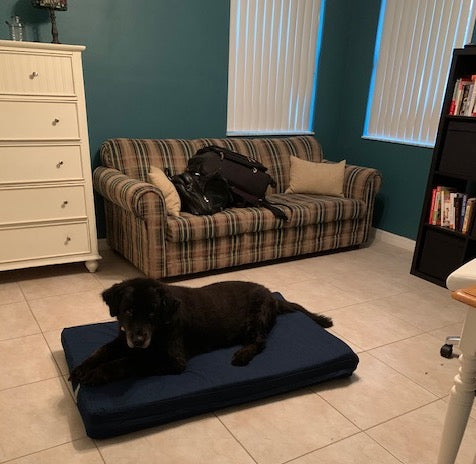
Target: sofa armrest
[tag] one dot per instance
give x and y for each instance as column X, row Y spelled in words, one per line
column 361, row 183
column 139, row 198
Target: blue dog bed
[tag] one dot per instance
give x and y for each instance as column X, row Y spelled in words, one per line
column 298, row 353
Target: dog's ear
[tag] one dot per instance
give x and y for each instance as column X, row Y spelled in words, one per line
column 113, row 296
column 170, row 305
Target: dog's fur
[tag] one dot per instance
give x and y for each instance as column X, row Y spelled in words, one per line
column 162, row 326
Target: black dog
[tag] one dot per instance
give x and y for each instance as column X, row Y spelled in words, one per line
column 162, row 326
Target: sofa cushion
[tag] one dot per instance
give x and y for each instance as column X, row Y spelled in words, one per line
column 317, row 178
column 158, row 178
column 301, row 210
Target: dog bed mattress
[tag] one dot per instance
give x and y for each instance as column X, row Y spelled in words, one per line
column 298, row 353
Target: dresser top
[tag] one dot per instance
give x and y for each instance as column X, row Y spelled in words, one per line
column 41, row 45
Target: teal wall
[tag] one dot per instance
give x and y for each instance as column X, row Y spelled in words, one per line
column 156, row 68
column 152, row 68
column 345, row 70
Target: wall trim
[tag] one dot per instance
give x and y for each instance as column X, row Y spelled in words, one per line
column 380, row 235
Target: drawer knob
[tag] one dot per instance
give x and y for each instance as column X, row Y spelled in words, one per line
column 63, row 205
column 33, row 75
column 68, row 239
column 60, row 164
column 55, row 121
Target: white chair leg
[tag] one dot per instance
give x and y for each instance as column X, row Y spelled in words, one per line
column 461, row 395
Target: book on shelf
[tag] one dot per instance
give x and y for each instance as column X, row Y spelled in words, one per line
column 451, row 209
column 446, row 207
column 463, row 102
column 469, row 111
column 468, row 217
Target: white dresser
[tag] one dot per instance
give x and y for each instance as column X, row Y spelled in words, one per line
column 46, row 199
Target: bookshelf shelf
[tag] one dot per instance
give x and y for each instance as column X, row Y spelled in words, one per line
column 461, row 118
column 439, row 249
column 447, row 230
column 463, row 177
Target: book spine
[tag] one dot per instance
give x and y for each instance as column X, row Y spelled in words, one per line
column 468, row 215
column 464, row 201
column 445, row 208
column 458, row 96
column 472, row 97
column 453, row 99
column 464, row 98
column 432, row 208
column 458, row 200
column 451, row 210
column 437, row 208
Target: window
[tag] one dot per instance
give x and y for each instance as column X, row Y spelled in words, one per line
column 272, row 66
column 411, row 65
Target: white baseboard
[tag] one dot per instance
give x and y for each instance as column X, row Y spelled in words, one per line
column 393, row 239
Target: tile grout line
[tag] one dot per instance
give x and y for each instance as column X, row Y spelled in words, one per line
column 381, row 445
column 401, row 415
column 98, row 449
column 46, row 449
column 235, row 438
column 386, row 420
column 407, row 377
column 333, row 407
column 322, row 447
column 31, row 383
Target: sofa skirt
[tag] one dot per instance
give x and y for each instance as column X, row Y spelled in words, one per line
column 204, row 255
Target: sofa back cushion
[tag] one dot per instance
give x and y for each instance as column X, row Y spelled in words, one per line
column 134, row 157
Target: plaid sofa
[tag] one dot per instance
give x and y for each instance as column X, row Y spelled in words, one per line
column 163, row 246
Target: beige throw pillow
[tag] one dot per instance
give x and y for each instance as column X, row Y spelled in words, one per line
column 158, row 178
column 318, row 178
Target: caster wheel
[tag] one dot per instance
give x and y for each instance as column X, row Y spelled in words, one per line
column 446, row 351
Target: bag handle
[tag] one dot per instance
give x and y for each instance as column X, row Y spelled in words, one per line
column 233, row 155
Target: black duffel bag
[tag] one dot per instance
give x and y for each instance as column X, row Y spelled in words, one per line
column 246, row 177
column 202, row 194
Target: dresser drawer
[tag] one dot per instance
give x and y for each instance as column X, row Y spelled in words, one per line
column 42, row 242
column 36, row 74
column 28, row 163
column 27, row 120
column 45, row 203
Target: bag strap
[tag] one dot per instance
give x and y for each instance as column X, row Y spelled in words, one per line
column 255, row 201
column 278, row 212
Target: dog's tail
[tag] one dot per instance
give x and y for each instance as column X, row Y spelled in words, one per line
column 288, row 307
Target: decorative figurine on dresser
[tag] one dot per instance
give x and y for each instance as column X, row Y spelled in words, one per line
column 46, row 199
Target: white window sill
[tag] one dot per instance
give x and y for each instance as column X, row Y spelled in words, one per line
column 270, row 133
column 400, row 141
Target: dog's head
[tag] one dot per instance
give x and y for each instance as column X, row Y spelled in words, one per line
column 142, row 307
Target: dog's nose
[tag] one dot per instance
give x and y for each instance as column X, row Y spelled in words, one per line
column 139, row 339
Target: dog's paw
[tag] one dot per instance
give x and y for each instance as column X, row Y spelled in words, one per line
column 241, row 359
column 85, row 375
column 94, row 377
column 77, row 374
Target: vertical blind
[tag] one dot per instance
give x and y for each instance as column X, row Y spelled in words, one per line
column 272, row 65
column 411, row 65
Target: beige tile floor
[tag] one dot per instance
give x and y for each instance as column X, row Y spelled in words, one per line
column 390, row 411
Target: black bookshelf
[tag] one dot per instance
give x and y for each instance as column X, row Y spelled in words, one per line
column 440, row 250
